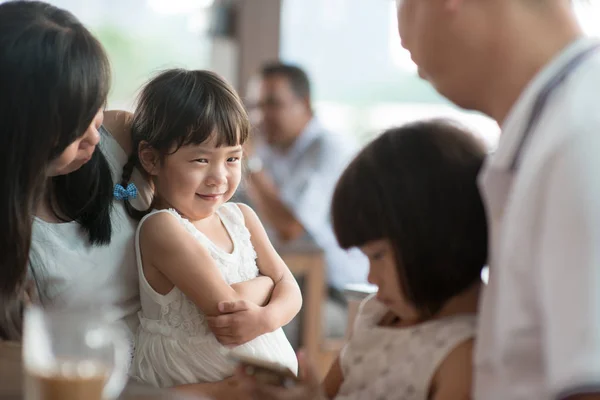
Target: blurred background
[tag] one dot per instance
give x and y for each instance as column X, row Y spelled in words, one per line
column 363, row 80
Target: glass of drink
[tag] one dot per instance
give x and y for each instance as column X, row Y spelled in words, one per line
column 73, row 355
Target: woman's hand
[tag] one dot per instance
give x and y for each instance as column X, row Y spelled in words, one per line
column 227, row 389
column 240, row 322
column 308, row 388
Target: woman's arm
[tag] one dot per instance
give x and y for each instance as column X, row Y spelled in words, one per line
column 118, row 124
column 168, row 247
column 227, row 389
column 308, row 387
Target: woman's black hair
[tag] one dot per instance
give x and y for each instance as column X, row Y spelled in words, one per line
column 416, row 186
column 54, row 77
column 181, row 107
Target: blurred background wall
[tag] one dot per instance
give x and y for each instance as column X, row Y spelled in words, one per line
column 363, row 80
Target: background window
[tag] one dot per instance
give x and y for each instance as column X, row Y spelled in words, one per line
column 363, row 80
column 143, row 37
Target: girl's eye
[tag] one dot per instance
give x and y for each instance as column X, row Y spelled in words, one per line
column 378, row 255
column 233, row 159
column 201, row 160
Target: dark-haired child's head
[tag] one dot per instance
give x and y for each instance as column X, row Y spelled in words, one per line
column 410, row 201
column 188, row 129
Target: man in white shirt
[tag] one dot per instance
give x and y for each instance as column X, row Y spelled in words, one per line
column 294, row 165
column 527, row 64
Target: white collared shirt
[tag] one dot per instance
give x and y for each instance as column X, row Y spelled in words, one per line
column 539, row 333
column 306, row 175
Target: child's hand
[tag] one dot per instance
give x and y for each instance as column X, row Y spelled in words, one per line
column 240, row 322
column 307, row 389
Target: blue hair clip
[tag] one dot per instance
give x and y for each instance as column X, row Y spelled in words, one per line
column 122, row 193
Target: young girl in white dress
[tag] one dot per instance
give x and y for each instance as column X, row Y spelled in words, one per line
column 410, row 202
column 196, row 252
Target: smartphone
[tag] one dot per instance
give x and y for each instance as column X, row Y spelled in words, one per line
column 263, row 371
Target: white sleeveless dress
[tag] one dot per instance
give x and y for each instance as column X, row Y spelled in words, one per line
column 385, row 363
column 174, row 344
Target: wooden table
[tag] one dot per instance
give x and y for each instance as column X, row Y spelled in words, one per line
column 11, row 380
column 305, row 259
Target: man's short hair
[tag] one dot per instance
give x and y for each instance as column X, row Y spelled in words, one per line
column 296, row 76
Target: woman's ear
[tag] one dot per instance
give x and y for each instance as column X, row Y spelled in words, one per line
column 149, row 158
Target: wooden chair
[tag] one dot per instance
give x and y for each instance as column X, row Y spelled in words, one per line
column 311, row 266
column 306, row 260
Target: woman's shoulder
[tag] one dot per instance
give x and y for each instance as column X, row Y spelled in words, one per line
column 118, row 124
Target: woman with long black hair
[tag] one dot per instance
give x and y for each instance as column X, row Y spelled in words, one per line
column 54, row 80
column 67, row 238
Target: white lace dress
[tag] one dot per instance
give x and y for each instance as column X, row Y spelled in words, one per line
column 174, row 345
column 385, row 363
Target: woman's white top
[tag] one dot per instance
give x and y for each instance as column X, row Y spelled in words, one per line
column 174, row 344
column 71, row 272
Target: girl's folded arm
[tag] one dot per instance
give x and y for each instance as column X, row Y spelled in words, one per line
column 257, row 290
column 286, row 299
column 167, row 246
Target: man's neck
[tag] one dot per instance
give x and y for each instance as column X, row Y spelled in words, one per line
column 285, row 146
column 529, row 44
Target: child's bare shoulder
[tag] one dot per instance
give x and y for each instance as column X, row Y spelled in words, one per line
column 160, row 230
column 163, row 238
column 453, row 378
column 250, row 218
column 246, row 210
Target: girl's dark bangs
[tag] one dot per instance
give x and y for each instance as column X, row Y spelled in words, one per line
column 358, row 217
column 223, row 117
